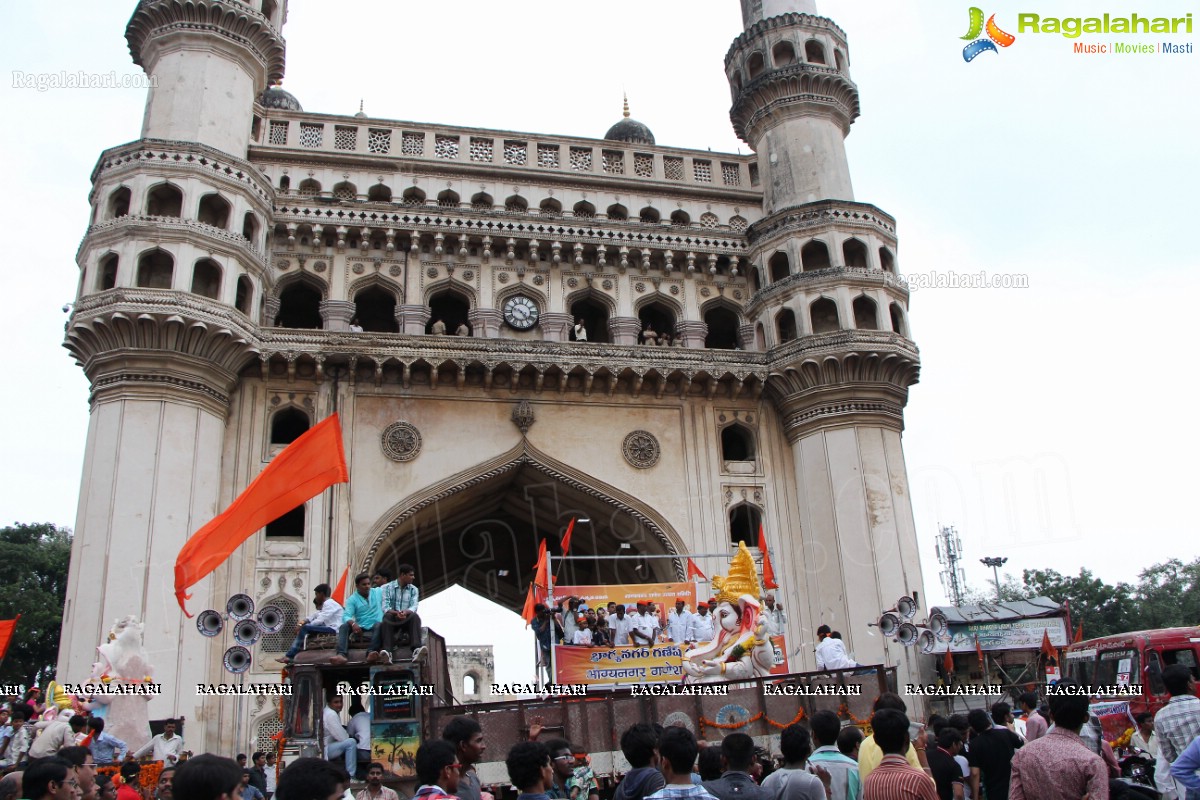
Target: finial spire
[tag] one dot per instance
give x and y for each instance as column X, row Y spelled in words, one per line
column 626, row 94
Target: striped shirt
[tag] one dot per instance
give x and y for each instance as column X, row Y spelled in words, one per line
column 894, row 779
column 1177, row 724
column 400, row 598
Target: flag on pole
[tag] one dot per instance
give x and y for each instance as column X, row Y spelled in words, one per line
column 339, row 591
column 301, row 471
column 948, row 662
column 566, row 540
column 541, row 574
column 527, row 612
column 978, row 650
column 1047, row 648
column 768, row 575
column 8, row 627
column 693, row 571
column 1078, row 633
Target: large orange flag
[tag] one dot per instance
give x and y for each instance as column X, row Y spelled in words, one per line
column 339, row 591
column 541, row 574
column 302, row 470
column 566, row 540
column 7, row 628
column 768, row 570
column 527, row 613
column 948, row 663
column 693, row 571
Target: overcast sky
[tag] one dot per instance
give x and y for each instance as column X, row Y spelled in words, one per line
column 1053, row 425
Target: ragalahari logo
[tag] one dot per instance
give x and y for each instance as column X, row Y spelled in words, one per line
column 995, row 36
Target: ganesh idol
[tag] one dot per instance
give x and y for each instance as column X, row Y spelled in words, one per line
column 741, row 648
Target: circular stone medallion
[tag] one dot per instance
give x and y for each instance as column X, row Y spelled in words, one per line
column 401, row 441
column 641, row 449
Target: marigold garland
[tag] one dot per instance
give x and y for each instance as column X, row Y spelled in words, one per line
column 705, row 722
column 147, row 778
column 1124, row 739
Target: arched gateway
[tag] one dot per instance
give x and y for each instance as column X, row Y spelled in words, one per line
column 481, row 529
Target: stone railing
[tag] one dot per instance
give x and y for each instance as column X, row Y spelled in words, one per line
column 159, row 225
column 822, row 278
column 206, row 159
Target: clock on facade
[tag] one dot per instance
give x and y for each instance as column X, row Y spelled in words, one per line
column 520, row 312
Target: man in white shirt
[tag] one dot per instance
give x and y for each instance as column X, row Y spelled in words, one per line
column 621, row 624
column 337, row 741
column 360, row 729
column 700, row 626
column 679, row 620
column 831, row 653
column 642, row 632
column 327, row 620
column 165, row 747
column 774, row 617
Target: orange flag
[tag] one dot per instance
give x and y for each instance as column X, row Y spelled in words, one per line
column 541, row 574
column 339, row 591
column 694, row 572
column 8, row 627
column 527, row 612
column 1078, row 633
column 768, row 570
column 566, row 540
column 978, row 650
column 302, row 470
column 948, row 662
column 1047, row 648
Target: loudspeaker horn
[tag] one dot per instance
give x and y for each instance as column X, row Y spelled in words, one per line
column 888, row 624
column 270, row 619
column 246, row 632
column 907, row 634
column 927, row 642
column 237, row 659
column 240, row 606
column 939, row 625
column 209, row 623
column 906, row 607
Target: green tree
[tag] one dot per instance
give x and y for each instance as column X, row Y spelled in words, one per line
column 1101, row 609
column 1168, row 595
column 33, row 573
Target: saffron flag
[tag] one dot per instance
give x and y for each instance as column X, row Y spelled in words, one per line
column 1078, row 633
column 978, row 650
column 768, row 571
column 7, row 628
column 527, row 612
column 566, row 540
column 1047, row 648
column 948, row 663
column 541, row 573
column 694, row 572
column 302, row 470
column 339, row 591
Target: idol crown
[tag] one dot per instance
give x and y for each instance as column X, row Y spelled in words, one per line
column 742, row 578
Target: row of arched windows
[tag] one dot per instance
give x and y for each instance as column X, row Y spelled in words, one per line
column 156, row 270
column 783, row 54
column 815, row 255
column 166, row 200
column 824, row 318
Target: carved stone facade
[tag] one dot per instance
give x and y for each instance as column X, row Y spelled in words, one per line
column 479, row 306
column 472, row 673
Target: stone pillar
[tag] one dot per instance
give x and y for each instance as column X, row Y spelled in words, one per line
column 271, row 309
column 693, row 333
column 486, row 322
column 624, row 330
column 412, row 319
column 746, row 336
column 337, row 314
column 556, row 326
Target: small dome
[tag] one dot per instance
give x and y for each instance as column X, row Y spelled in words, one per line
column 630, row 130
column 275, row 97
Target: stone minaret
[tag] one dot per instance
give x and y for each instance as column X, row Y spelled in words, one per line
column 830, row 309
column 173, row 269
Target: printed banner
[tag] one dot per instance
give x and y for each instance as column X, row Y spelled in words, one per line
column 1017, row 634
column 663, row 595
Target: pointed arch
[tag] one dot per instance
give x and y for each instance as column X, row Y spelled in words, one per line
column 865, row 313
column 738, row 443
column 345, row 191
column 785, row 326
column 156, row 269
column 854, row 253
column 815, row 255
column 482, row 201
column 780, row 266
column 214, row 210
column 279, row 642
column 118, row 202
column 617, row 211
column 550, row 208
column 516, row 204
column 309, row 186
column 448, row 198
column 379, row 193
column 650, row 215
column 745, row 519
column 823, row 314
column 300, row 297
column 106, row 277
column 584, row 210
column 814, row 52
column 164, row 200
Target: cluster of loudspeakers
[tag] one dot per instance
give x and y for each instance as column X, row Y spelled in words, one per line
column 247, row 628
column 897, row 624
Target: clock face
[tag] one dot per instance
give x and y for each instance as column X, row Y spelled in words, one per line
column 520, row 312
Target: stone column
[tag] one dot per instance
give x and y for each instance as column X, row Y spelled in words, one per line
column 693, row 333
column 624, row 330
column 486, row 322
column 412, row 319
column 746, row 336
column 556, row 326
column 337, row 314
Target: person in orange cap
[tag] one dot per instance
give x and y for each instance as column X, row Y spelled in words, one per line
column 700, row 627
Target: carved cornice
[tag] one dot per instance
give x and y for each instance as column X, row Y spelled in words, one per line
column 170, row 229
column 793, row 91
column 819, row 279
column 202, row 160
column 810, row 218
column 747, row 40
column 235, row 22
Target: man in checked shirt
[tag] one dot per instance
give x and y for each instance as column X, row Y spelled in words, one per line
column 1178, row 722
column 400, row 624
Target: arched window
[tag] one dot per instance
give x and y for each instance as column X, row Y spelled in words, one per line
column 516, row 204
column 783, row 54
column 744, row 522
column 285, row 184
column 865, row 313
column 617, row 211
column 886, row 262
column 214, row 210
column 279, row 642
column 288, row 425
column 451, row 308
column 814, row 255
column 780, row 266
column 550, row 208
column 118, row 203
column 244, row 296
column 448, row 199
column 300, row 306
column 206, row 279
column 722, row 329
column 310, row 186
column 737, row 443
column 470, row 684
column 814, row 51
column 785, row 325
column 649, row 214
column 413, row 197
column 290, row 525
column 164, row 200
column 840, row 60
column 108, row 272
column 482, row 202
column 897, row 319
column 680, row 218
column 379, row 194
column 156, row 270
column 855, row 253
column 658, row 316
column 756, row 65
column 376, row 310
column 584, row 210
column 250, row 227
column 595, row 318
column 824, row 316
column 345, row 191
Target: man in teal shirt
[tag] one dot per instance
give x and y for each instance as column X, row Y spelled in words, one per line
column 364, row 610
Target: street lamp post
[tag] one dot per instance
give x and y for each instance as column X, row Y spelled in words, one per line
column 995, row 562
